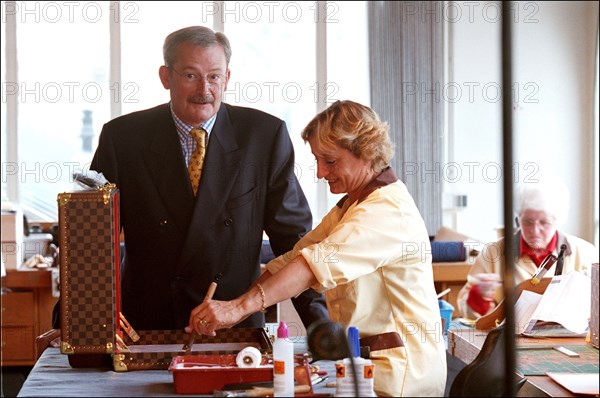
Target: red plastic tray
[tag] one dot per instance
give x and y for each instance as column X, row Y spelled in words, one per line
column 203, row 374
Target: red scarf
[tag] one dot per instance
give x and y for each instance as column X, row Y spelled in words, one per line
column 538, row 258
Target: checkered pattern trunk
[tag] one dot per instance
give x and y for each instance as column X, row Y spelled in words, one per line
column 143, row 354
column 90, row 295
column 89, row 269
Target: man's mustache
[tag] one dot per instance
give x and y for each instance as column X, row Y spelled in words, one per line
column 201, row 99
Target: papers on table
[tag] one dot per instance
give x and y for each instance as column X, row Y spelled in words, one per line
column 566, row 301
column 577, row 383
column 524, row 310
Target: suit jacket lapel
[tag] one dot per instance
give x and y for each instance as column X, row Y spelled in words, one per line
column 168, row 165
column 220, row 170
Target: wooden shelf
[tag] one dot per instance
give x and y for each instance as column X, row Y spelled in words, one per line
column 27, row 304
column 453, row 276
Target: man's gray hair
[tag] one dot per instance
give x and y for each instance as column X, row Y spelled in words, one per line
column 197, row 35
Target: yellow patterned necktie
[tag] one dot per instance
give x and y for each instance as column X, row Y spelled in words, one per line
column 195, row 165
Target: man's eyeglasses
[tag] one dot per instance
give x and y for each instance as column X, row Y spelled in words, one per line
column 213, row 79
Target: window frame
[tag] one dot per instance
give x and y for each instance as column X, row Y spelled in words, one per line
column 11, row 190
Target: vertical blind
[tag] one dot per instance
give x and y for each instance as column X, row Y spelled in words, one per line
column 406, row 71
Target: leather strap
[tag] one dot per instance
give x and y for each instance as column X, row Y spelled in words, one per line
column 382, row 341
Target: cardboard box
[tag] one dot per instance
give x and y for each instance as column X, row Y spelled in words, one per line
column 12, row 254
column 12, row 238
column 12, row 226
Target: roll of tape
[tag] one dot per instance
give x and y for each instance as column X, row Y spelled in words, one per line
column 249, row 357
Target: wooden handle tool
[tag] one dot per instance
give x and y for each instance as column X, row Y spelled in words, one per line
column 188, row 347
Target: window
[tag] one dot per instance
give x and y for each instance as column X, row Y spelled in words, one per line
column 144, row 26
column 62, row 81
column 79, row 64
column 280, row 76
column 347, row 58
column 273, row 68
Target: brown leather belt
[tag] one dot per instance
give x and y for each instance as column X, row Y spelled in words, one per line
column 382, row 341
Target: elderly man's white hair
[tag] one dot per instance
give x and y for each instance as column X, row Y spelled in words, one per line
column 550, row 196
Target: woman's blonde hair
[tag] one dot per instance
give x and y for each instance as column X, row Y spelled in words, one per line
column 356, row 128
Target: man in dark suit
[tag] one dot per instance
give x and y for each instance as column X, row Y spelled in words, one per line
column 178, row 242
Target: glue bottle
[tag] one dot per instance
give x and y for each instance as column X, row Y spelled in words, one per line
column 283, row 363
column 363, row 371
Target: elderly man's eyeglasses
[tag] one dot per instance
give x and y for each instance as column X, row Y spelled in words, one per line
column 213, row 79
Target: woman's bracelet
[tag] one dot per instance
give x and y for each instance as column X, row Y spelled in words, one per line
column 262, row 295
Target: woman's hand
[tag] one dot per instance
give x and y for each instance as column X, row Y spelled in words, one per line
column 212, row 315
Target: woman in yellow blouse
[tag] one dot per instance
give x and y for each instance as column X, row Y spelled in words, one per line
column 370, row 255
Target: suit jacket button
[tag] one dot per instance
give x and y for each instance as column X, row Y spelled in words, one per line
column 228, row 222
column 162, row 223
column 218, row 276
